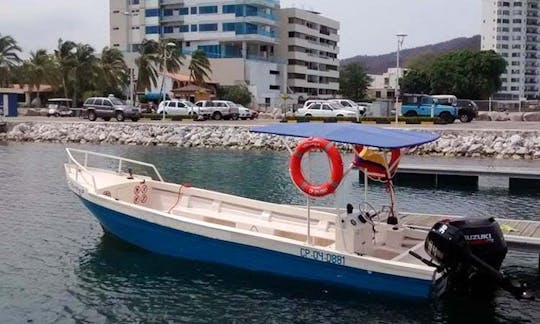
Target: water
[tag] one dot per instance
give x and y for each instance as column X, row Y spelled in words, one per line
column 57, row 265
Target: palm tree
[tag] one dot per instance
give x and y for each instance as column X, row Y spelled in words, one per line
column 153, row 54
column 199, row 67
column 113, row 71
column 85, row 70
column 65, row 61
column 146, row 63
column 39, row 69
column 9, row 58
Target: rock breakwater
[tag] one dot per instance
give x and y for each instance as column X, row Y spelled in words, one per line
column 509, row 144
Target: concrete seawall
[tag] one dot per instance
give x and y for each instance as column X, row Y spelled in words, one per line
column 501, row 144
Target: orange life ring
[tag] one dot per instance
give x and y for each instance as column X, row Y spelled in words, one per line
column 336, row 166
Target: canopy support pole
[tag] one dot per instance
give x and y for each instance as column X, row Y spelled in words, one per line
column 308, row 238
column 392, row 218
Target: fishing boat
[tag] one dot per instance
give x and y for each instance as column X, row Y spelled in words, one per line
column 356, row 245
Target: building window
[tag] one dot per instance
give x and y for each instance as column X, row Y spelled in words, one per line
column 227, row 27
column 207, row 10
column 193, row 10
column 274, row 87
column 168, row 29
column 208, row 27
column 151, row 13
column 213, row 51
column 116, row 11
column 167, row 12
column 193, row 28
column 274, row 72
column 115, row 28
column 229, row 9
column 183, row 11
column 116, row 45
column 184, row 28
column 152, row 30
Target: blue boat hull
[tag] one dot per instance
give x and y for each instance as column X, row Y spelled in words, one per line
column 172, row 242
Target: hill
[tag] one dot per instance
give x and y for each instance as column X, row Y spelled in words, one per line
column 378, row 64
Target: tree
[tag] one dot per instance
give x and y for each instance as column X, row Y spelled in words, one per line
column 353, row 81
column 65, row 61
column 199, row 67
column 113, row 71
column 146, row 63
column 9, row 58
column 415, row 82
column 151, row 60
column 85, row 70
column 237, row 93
column 39, row 69
column 466, row 74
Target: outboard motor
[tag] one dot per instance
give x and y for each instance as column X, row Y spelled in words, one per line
column 471, row 252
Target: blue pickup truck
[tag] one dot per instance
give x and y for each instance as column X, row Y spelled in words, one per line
column 423, row 105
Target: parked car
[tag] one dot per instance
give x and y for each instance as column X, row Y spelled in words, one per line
column 244, row 113
column 108, row 107
column 218, row 109
column 350, row 105
column 324, row 109
column 468, row 110
column 59, row 107
column 423, row 105
column 308, row 103
column 178, row 108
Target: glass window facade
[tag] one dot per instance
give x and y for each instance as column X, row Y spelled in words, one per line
column 208, row 10
column 208, row 27
column 151, row 13
column 152, row 30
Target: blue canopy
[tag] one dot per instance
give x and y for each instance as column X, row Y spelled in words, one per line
column 352, row 134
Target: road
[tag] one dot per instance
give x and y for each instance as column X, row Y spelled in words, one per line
column 483, row 125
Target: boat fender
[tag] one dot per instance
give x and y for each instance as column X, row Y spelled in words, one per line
column 336, row 167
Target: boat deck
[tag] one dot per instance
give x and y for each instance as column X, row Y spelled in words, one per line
column 522, row 235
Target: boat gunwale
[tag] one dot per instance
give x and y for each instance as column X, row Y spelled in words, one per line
column 367, row 263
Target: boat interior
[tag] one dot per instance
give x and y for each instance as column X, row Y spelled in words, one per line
column 388, row 242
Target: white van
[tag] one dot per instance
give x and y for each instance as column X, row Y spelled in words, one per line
column 449, row 100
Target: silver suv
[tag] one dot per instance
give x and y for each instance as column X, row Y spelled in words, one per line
column 108, row 107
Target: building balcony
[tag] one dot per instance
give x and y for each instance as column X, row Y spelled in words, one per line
column 172, row 19
column 172, row 2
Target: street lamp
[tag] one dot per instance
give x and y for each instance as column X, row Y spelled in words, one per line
column 166, row 56
column 400, row 39
column 129, row 16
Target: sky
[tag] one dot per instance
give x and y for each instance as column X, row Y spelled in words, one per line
column 368, row 27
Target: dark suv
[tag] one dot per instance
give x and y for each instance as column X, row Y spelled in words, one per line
column 108, row 107
column 468, row 110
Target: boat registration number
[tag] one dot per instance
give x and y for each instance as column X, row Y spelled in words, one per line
column 322, row 256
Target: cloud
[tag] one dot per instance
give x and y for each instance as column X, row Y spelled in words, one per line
column 39, row 24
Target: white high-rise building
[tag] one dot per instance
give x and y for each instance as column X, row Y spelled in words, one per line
column 241, row 38
column 309, row 42
column 512, row 29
